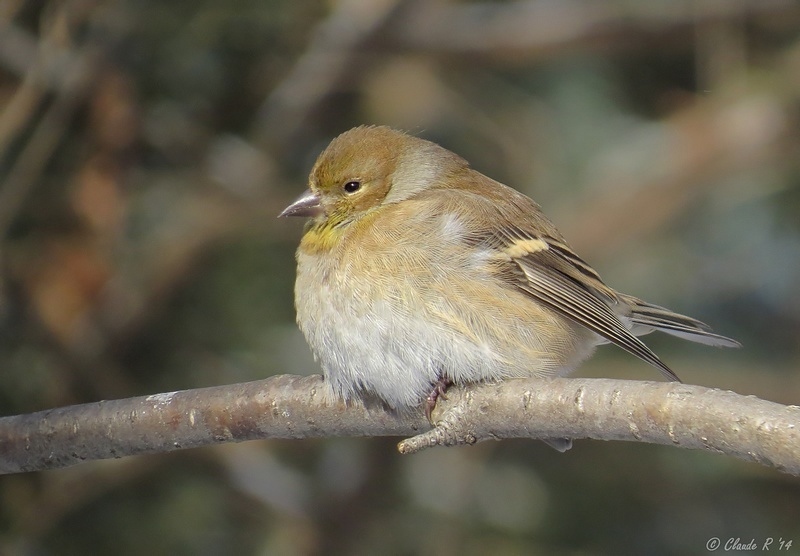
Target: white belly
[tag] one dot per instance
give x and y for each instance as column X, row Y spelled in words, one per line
column 369, row 340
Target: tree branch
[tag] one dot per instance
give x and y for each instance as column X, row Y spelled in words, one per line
column 298, row 407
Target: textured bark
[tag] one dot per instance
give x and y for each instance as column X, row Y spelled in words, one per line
column 298, row 407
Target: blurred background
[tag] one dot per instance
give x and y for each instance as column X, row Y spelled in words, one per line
column 146, row 148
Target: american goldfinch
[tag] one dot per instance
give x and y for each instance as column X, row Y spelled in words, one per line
column 417, row 271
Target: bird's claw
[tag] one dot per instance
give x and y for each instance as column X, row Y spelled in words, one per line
column 439, row 391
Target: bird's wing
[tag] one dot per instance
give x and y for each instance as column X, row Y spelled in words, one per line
column 647, row 317
column 555, row 276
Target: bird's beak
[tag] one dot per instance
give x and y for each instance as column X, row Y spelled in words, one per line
column 306, row 204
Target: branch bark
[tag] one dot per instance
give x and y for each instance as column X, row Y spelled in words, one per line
column 298, row 407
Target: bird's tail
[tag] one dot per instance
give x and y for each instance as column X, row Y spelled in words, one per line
column 645, row 317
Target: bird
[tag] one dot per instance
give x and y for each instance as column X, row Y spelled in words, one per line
column 416, row 272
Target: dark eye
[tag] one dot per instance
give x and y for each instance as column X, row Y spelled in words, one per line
column 352, row 186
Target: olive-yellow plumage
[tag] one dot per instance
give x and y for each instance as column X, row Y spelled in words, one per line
column 416, row 268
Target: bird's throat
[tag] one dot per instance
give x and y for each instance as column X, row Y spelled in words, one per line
column 322, row 237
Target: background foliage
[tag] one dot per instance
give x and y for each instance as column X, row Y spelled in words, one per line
column 148, row 146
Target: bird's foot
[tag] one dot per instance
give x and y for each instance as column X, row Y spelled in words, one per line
column 439, row 391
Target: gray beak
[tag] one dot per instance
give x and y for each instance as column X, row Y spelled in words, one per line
column 306, row 204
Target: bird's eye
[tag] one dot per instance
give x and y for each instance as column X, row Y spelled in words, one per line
column 352, row 186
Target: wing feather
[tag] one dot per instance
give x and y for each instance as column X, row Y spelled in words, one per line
column 573, row 300
column 534, row 258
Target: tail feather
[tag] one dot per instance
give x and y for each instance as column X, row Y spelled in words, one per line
column 646, row 317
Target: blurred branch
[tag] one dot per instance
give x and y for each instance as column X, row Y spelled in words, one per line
column 46, row 66
column 21, row 107
column 337, row 46
column 22, row 53
column 298, row 407
column 39, row 149
column 519, row 31
column 708, row 140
